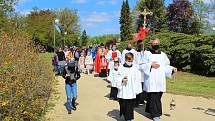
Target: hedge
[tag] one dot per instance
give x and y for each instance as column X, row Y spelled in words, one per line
column 25, row 80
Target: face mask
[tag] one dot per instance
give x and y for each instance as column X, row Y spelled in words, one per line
column 155, row 47
column 114, row 49
column 129, row 49
column 140, row 47
column 116, row 68
column 128, row 63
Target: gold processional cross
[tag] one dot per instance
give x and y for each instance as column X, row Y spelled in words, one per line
column 145, row 13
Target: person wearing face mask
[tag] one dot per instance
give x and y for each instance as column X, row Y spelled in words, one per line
column 141, row 98
column 128, row 87
column 113, row 53
column 156, row 67
column 129, row 49
column 113, row 76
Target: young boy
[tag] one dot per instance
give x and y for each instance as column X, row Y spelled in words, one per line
column 114, row 75
column 71, row 74
column 129, row 86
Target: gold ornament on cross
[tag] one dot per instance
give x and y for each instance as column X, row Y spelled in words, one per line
column 145, row 13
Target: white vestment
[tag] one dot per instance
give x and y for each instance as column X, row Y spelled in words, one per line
column 155, row 79
column 110, row 59
column 138, row 60
column 113, row 77
column 125, row 52
column 133, row 86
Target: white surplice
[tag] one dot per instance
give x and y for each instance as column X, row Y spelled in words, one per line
column 113, row 77
column 138, row 60
column 110, row 59
column 155, row 79
column 125, row 51
column 133, row 86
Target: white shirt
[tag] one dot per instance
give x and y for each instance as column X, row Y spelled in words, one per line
column 155, row 79
column 133, row 86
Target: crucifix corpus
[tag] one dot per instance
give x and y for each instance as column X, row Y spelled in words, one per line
column 145, row 13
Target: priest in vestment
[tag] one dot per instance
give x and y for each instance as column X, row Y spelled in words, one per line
column 101, row 62
column 156, row 67
column 141, row 98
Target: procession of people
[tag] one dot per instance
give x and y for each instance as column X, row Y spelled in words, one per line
column 137, row 75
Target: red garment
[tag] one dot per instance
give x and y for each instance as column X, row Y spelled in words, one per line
column 141, row 35
column 114, row 54
column 98, row 61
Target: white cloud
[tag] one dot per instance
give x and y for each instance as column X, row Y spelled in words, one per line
column 105, row 2
column 20, row 2
column 79, row 1
column 96, row 17
column 205, row 1
column 25, row 12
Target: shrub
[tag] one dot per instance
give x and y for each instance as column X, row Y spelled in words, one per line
column 25, row 80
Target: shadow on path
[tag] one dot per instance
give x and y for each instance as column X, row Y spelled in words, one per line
column 114, row 114
column 208, row 111
column 141, row 110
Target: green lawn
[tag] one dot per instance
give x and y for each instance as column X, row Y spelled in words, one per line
column 192, row 84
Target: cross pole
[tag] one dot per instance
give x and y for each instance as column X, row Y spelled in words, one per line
column 145, row 13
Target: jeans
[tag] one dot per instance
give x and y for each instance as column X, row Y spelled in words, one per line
column 61, row 65
column 71, row 93
column 55, row 69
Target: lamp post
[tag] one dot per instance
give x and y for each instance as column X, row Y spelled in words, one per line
column 65, row 33
column 56, row 21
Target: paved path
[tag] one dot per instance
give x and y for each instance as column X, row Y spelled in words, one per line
column 94, row 105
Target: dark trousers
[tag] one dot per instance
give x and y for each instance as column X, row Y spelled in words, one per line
column 127, row 108
column 154, row 105
column 113, row 93
column 140, row 98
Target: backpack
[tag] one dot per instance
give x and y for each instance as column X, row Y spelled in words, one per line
column 72, row 71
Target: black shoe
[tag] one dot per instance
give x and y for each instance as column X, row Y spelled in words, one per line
column 69, row 112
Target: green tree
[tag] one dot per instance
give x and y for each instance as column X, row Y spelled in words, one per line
column 39, row 26
column 6, row 6
column 202, row 10
column 181, row 18
column 156, row 21
column 125, row 22
column 68, row 23
column 84, row 38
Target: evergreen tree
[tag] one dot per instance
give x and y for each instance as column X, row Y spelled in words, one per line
column 181, row 18
column 156, row 21
column 84, row 38
column 125, row 22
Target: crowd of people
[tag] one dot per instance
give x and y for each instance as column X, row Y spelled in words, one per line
column 137, row 75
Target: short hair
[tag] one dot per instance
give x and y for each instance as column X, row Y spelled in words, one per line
column 153, row 39
column 129, row 56
column 113, row 44
column 139, row 41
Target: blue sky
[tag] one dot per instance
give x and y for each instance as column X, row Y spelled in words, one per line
column 98, row 17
